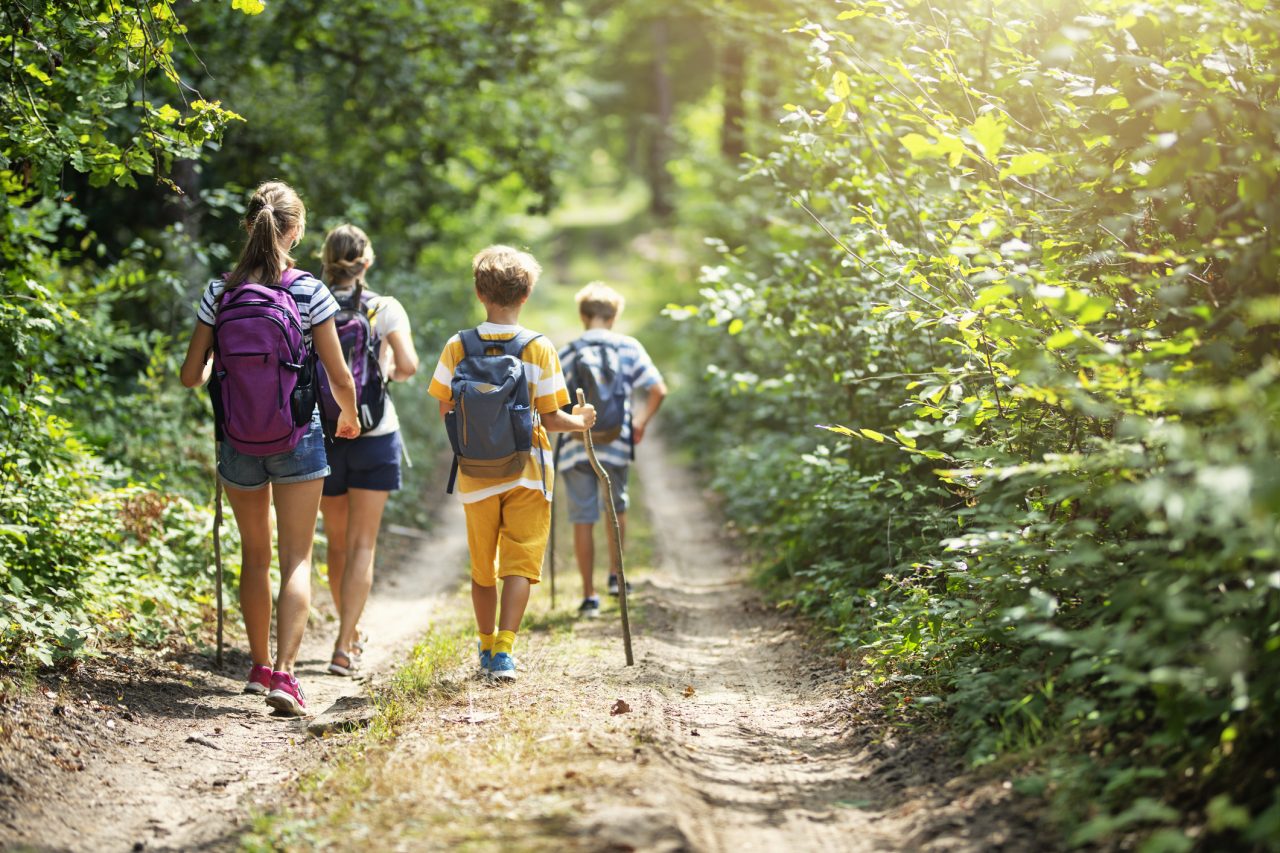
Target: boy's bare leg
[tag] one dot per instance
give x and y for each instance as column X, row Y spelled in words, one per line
column 484, row 600
column 515, row 597
column 584, row 550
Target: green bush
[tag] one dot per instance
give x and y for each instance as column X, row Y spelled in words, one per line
column 1028, row 285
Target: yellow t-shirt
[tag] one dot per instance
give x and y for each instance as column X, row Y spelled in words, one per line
column 547, row 391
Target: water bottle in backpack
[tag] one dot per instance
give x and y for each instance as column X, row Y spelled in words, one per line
column 263, row 382
column 361, row 347
column 597, row 370
column 491, row 425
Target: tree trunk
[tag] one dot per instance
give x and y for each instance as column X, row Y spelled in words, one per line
column 659, row 179
column 732, row 81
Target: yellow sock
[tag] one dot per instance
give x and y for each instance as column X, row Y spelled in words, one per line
column 505, row 643
column 486, row 641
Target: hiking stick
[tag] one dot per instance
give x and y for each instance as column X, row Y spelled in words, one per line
column 615, row 535
column 551, row 540
column 217, row 548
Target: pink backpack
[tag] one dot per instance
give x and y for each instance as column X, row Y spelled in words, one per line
column 263, row 383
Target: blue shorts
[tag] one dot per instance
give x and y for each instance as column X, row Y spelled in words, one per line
column 305, row 462
column 372, row 463
column 583, row 488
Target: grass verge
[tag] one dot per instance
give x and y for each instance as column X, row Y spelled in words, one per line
column 453, row 762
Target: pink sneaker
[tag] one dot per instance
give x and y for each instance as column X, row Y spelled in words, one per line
column 286, row 695
column 259, row 680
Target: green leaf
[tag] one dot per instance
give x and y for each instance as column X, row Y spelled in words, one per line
column 38, row 74
column 873, row 435
column 249, row 7
column 840, row 84
column 1026, row 164
column 919, row 147
column 989, row 132
column 735, row 326
column 1061, row 339
column 989, row 295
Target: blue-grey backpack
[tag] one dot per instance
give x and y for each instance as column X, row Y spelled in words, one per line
column 491, row 425
column 596, row 368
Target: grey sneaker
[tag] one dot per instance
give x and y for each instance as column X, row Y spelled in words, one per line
column 589, row 608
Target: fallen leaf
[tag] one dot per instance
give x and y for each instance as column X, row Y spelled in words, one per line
column 620, row 707
column 689, row 691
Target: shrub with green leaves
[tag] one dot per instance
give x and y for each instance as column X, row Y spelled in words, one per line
column 1029, row 285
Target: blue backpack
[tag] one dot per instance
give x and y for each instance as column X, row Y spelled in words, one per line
column 491, row 425
column 597, row 370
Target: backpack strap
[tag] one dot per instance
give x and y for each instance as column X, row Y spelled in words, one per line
column 516, row 345
column 472, row 344
column 453, row 476
column 292, row 276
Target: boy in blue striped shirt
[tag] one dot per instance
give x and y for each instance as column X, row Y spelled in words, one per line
column 598, row 307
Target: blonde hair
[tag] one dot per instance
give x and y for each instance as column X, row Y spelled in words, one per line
column 347, row 254
column 274, row 212
column 599, row 301
column 504, row 276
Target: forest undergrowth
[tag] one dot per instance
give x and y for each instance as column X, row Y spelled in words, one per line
column 992, row 389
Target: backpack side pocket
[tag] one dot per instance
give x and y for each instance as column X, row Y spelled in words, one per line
column 302, row 400
column 522, row 427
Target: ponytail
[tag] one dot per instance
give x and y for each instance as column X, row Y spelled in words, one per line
column 347, row 255
column 274, row 212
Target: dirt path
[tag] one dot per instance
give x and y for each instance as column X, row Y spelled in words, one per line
column 755, row 740
column 735, row 731
column 137, row 755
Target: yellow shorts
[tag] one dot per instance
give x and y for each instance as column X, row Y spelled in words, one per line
column 507, row 535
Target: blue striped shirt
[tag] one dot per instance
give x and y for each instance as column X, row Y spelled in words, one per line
column 315, row 303
column 640, row 372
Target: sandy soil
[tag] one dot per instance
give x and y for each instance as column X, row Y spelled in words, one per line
column 137, row 754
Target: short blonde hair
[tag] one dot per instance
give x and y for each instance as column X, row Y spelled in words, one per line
column 504, row 276
column 599, row 301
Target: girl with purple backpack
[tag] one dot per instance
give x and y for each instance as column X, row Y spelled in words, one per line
column 374, row 330
column 264, row 324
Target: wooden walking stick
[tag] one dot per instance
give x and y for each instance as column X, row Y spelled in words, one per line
column 217, row 548
column 615, row 535
column 551, row 540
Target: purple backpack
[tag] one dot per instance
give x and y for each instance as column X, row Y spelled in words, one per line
column 263, row 384
column 361, row 347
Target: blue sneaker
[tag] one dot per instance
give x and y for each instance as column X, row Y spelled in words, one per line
column 485, row 657
column 503, row 666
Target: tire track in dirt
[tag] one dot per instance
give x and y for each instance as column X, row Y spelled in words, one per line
column 753, row 738
column 172, row 756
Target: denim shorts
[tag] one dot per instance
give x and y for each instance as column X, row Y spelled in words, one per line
column 584, row 489
column 307, row 461
column 371, row 462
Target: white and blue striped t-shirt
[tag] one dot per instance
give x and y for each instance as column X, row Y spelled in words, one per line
column 640, row 372
column 315, row 303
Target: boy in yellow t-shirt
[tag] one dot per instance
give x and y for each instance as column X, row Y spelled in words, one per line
column 509, row 516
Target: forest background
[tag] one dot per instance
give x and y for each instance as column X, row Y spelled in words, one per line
column 1019, row 259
